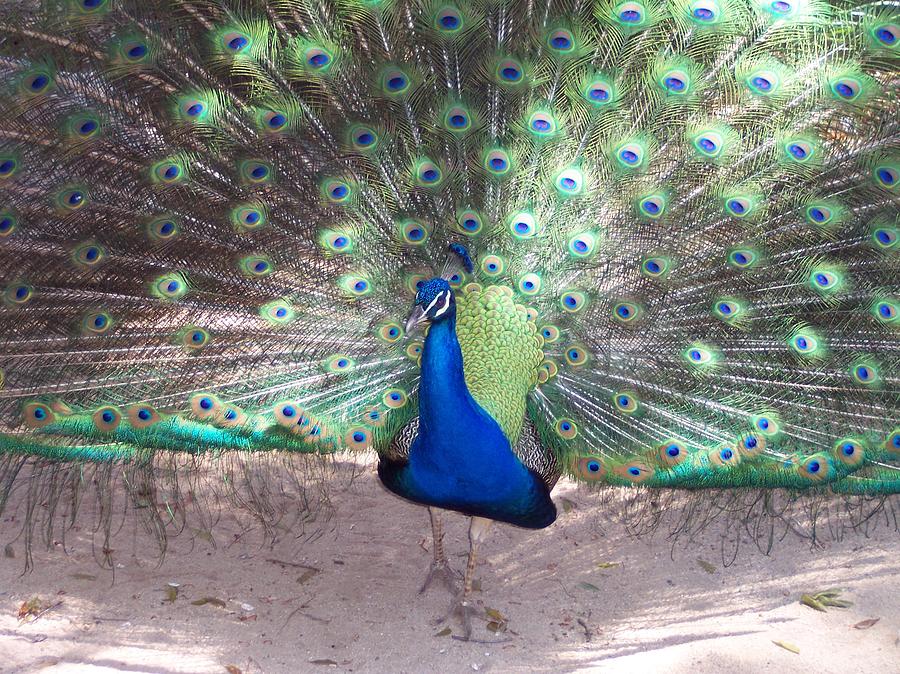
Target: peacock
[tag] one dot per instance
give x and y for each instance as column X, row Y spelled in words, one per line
column 644, row 244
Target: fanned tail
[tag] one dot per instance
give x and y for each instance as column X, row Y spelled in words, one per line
column 214, row 219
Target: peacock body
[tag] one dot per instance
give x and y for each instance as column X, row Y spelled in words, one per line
column 655, row 242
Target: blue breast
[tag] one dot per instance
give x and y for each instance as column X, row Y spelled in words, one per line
column 461, row 459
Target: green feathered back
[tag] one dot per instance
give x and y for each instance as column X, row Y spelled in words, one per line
column 501, row 353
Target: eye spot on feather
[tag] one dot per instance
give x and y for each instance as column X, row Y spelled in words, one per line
column 781, row 7
column 752, row 444
column 887, row 35
column 336, row 191
column 599, row 92
column 726, row 455
column 448, row 20
column 394, row 82
column 704, row 11
column 570, row 182
column 142, row 416
column 885, row 311
column 497, row 163
column 72, row 199
column 886, row 176
column 766, row 425
column 339, row 363
column 414, row 350
column 427, row 173
column 550, row 334
column 7, row 224
column 358, row 438
column 523, row 225
column 846, row 88
column 36, row 82
column 277, row 312
column 530, row 284
column 255, row 172
column 561, row 41
column 8, row 167
column 542, row 124
column 742, row 258
column 589, row 468
column 631, row 14
column 18, row 294
column 865, row 373
column 566, row 429
column 168, row 172
column 849, row 451
column 135, row 51
column 799, row 151
column 457, row 119
column 816, row 468
column 672, row 453
column 699, row 356
column 317, row 58
column 892, row 442
column 884, row 237
column 106, row 419
column 390, row 332
column 625, row 313
column 626, row 402
column 374, row 416
column 675, row 82
column 509, row 72
column 572, row 301
column 37, row 415
column 652, row 206
column 493, row 265
column 634, row 472
column 394, row 398
column 576, row 355
column 88, row 255
column 469, row 222
column 235, row 42
column 290, row 415
column 96, row 322
column 363, row 138
column 804, row 343
column 762, row 83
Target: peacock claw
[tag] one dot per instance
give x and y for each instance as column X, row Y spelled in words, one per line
column 462, row 607
column 441, row 572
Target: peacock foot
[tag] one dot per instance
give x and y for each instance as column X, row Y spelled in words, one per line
column 444, row 575
column 464, row 608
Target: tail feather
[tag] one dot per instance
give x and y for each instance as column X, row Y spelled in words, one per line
column 214, row 219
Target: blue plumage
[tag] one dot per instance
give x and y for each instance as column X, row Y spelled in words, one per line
column 461, row 459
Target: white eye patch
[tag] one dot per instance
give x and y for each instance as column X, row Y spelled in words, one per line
column 446, row 305
column 445, row 295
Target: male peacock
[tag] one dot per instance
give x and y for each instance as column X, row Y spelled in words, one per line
column 655, row 243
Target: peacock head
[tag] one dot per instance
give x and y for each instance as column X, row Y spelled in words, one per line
column 434, row 302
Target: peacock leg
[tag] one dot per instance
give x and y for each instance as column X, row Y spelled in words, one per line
column 462, row 605
column 440, row 569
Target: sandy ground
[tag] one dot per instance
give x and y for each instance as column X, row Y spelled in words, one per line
column 578, row 597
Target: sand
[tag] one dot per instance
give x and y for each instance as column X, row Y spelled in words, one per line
column 342, row 595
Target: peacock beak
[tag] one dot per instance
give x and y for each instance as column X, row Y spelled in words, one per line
column 416, row 317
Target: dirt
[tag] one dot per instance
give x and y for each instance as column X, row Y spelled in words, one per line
column 341, row 594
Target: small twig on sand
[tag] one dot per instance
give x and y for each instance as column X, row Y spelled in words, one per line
column 299, row 610
column 480, row 641
column 41, row 612
column 294, row 564
column 587, row 630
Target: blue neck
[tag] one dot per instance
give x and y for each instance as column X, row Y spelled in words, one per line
column 443, row 395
